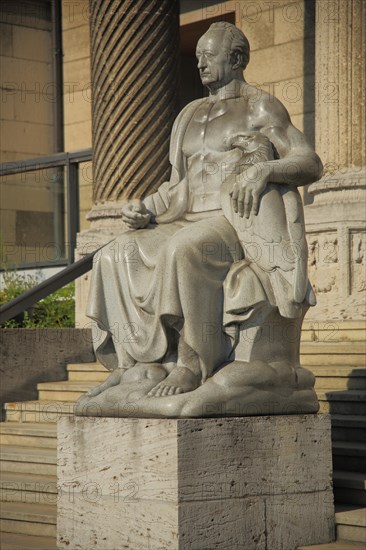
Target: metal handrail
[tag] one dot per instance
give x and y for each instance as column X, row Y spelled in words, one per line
column 70, row 161
column 51, row 161
column 74, row 269
column 42, row 290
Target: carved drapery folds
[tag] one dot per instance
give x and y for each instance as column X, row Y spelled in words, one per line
column 134, row 59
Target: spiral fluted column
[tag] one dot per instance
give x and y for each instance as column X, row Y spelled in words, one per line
column 135, row 74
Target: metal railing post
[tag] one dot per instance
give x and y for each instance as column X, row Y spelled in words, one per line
column 72, row 180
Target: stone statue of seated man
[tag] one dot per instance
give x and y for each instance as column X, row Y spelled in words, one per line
column 199, row 304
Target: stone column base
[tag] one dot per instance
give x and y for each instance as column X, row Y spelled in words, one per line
column 335, row 228
column 197, row 484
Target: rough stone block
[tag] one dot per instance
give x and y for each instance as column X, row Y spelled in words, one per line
column 231, row 483
column 31, row 356
column 262, row 68
column 76, row 78
column 35, row 139
column 77, row 105
column 78, row 135
column 290, row 22
column 32, row 44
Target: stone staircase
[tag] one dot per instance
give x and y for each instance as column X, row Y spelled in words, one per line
column 336, row 354
column 28, row 459
column 28, row 440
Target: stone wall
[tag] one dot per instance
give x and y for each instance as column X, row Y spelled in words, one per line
column 282, row 61
column 26, row 121
column 77, row 92
column 30, row 356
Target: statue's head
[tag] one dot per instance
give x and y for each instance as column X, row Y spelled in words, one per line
column 223, row 53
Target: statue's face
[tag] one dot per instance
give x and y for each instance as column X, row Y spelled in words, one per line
column 213, row 59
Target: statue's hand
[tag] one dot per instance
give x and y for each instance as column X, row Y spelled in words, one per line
column 135, row 214
column 247, row 191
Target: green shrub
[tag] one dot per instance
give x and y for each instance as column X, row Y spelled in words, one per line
column 55, row 311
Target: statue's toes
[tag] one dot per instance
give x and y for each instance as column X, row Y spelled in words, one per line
column 156, row 391
column 165, row 391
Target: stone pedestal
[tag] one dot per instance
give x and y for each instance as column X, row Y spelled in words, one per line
column 231, row 483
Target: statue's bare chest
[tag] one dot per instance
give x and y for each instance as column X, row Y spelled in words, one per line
column 211, row 123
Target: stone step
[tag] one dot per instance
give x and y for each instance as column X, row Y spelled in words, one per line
column 88, row 376
column 333, row 331
column 37, row 411
column 70, row 396
column 333, row 348
column 340, row 383
column 338, row 545
column 348, row 463
column 28, row 460
column 330, row 359
column 28, row 488
column 29, row 434
column 28, row 519
column 348, row 427
column 12, row 541
column 351, row 523
column 341, row 371
column 94, row 372
column 342, row 402
column 332, row 335
column 63, row 391
column 339, row 377
column 349, row 487
column 349, row 456
column 349, row 449
column 87, row 367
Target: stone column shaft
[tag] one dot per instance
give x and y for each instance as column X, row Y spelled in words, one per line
column 336, row 220
column 135, row 78
column 340, row 78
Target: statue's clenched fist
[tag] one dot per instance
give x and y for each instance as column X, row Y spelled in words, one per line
column 135, row 214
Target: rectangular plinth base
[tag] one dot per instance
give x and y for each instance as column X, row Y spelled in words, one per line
column 197, row 484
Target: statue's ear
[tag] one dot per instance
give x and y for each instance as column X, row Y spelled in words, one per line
column 236, row 59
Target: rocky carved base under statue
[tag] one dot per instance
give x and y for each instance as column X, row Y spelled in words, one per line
column 249, row 385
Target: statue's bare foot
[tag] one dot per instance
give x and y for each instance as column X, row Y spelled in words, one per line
column 180, row 380
column 139, row 371
column 142, row 371
column 113, row 380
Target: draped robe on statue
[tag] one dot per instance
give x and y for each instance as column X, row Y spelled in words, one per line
column 197, row 272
